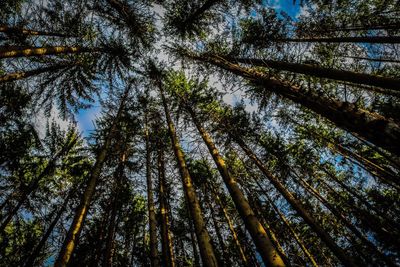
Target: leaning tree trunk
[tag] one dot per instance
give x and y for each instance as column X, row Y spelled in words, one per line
column 150, row 201
column 296, row 205
column 45, row 51
column 35, row 253
column 264, row 245
column 227, row 261
column 362, row 39
column 34, row 184
column 339, row 214
column 203, row 237
column 385, row 60
column 334, row 74
column 389, row 26
column 293, row 232
column 21, row 31
column 367, row 125
column 25, row 74
column 166, row 239
column 113, row 225
column 217, row 199
column 82, row 210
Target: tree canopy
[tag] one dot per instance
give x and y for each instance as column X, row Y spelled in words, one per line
column 223, row 133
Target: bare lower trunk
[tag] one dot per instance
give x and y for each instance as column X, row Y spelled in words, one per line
column 203, row 237
column 264, row 245
column 167, row 249
column 81, row 212
column 150, row 202
column 296, row 205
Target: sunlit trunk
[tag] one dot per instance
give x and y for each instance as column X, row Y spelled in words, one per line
column 74, row 231
column 264, row 245
column 25, row 74
column 203, row 237
column 45, row 51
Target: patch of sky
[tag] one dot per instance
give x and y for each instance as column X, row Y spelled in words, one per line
column 288, row 6
column 86, row 118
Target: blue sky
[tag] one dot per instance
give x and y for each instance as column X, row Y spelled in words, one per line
column 284, row 5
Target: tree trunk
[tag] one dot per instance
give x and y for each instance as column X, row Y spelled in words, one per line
column 150, row 201
column 292, row 231
column 81, row 212
column 167, row 248
column 243, row 256
column 296, row 205
column 21, row 31
column 385, row 174
column 264, row 245
column 35, row 253
column 379, row 227
column 386, row 60
column 370, row 126
column 227, row 261
column 100, row 233
column 338, row 214
column 193, row 241
column 389, row 26
column 109, row 253
column 25, row 74
column 45, row 51
column 203, row 237
column 363, row 39
column 322, row 72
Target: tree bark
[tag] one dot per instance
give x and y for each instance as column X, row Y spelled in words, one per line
column 322, row 72
column 293, row 232
column 113, row 225
column 21, row 31
column 198, row 12
column 370, row 126
column 45, row 51
column 338, row 214
column 362, row 39
column 82, row 210
column 167, row 248
column 264, row 245
column 150, row 201
column 25, row 74
column 203, row 237
column 296, row 205
column 386, row 60
column 243, row 256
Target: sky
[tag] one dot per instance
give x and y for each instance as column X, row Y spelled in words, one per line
column 86, row 117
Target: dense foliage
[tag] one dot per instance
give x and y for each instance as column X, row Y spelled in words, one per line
column 231, row 133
